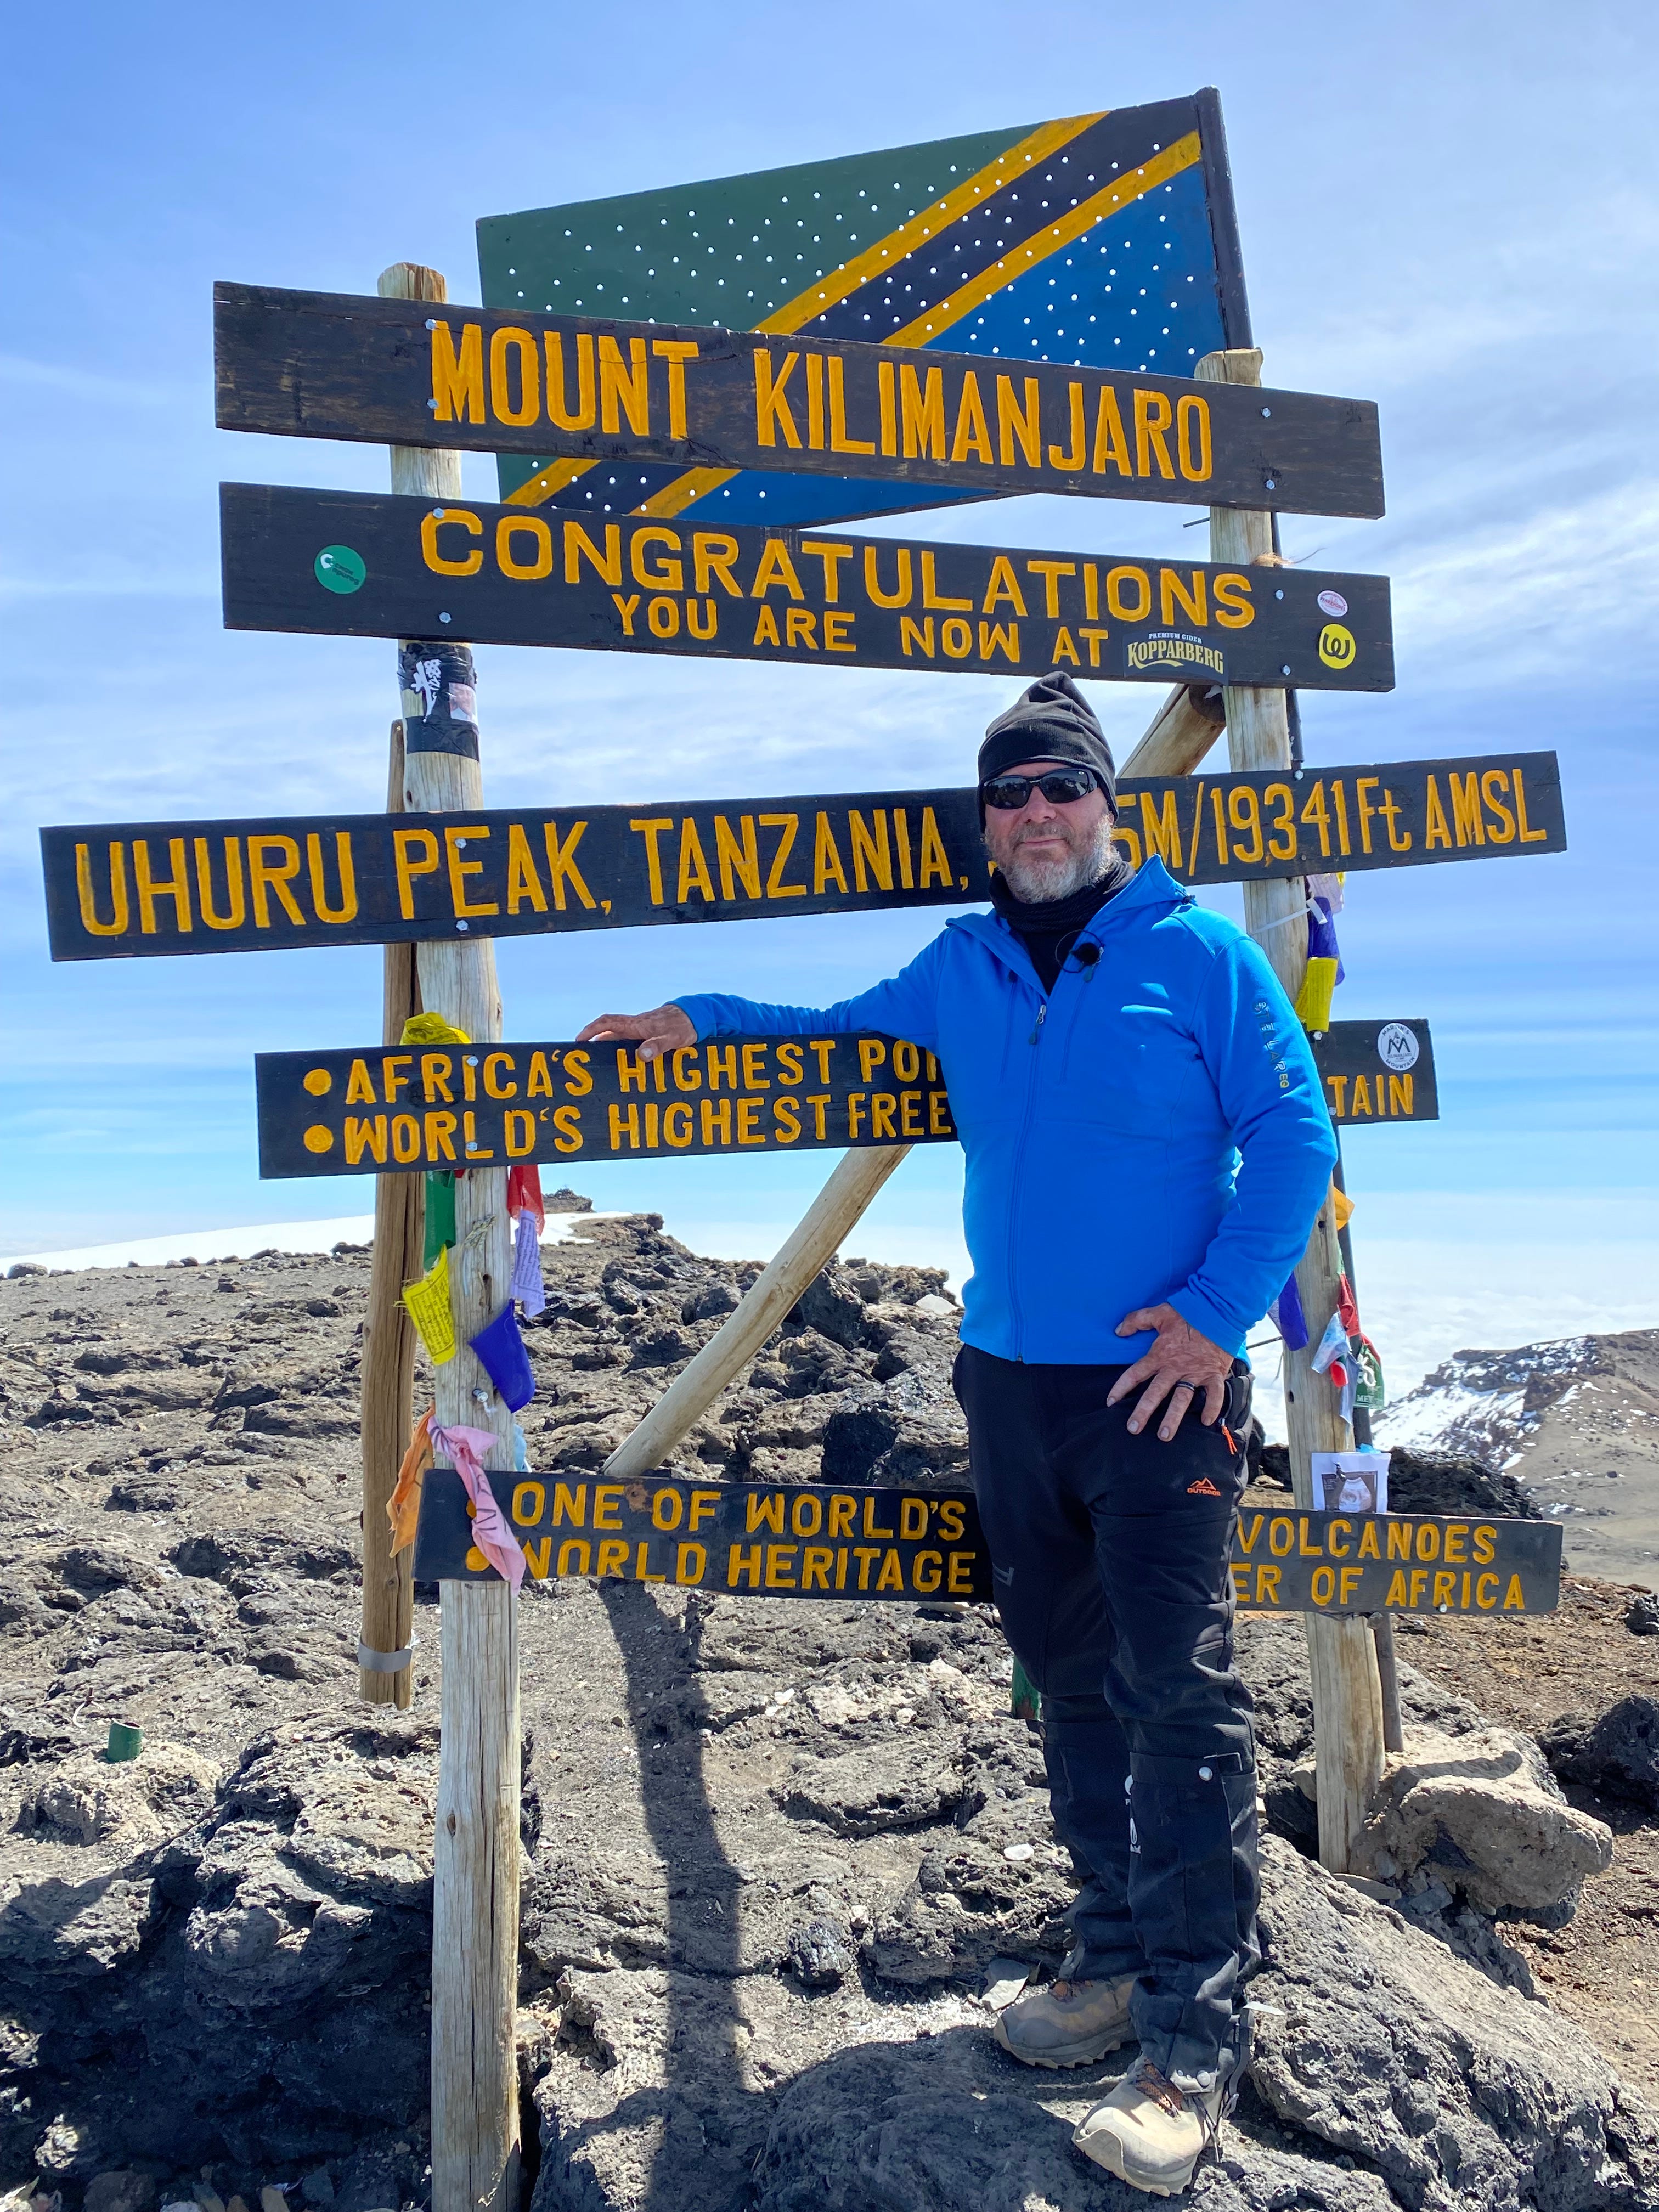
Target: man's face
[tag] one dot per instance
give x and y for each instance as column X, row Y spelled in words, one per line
column 1047, row 851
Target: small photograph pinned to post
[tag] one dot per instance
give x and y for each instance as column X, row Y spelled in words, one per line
column 1352, row 1481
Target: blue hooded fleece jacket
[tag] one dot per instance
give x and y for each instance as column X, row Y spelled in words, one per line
column 1155, row 1130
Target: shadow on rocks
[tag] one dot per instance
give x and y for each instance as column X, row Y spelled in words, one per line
column 666, row 2118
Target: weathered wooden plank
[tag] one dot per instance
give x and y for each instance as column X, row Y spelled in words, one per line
column 441, row 1107
column 131, row 889
column 413, row 1109
column 331, row 365
column 356, row 564
column 812, row 1540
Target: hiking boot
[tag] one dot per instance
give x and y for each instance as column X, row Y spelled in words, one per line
column 1151, row 2134
column 1068, row 2023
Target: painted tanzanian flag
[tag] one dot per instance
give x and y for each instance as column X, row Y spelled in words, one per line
column 1106, row 240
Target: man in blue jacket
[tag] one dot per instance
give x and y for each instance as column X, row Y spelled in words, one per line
column 1146, row 1147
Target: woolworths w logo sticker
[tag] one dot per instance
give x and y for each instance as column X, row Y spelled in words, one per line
column 1176, row 650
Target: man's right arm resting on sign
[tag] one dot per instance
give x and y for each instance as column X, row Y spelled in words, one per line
column 905, row 1005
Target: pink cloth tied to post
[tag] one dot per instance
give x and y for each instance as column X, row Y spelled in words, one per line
column 467, row 1448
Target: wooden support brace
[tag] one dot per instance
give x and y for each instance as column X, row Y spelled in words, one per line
column 1179, row 735
column 767, row 1304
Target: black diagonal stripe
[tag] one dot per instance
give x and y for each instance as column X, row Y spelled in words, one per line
column 1008, row 218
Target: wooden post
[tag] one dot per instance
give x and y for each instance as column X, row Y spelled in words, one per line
column 475, row 1901
column 388, row 1367
column 1347, row 1695
column 1382, row 1624
column 809, row 1248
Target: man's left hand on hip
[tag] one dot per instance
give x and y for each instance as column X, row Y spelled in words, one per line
column 1182, row 1366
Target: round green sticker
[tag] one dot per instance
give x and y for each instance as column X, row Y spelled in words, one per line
column 337, row 568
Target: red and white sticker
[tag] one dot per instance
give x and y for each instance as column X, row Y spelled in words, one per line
column 1333, row 603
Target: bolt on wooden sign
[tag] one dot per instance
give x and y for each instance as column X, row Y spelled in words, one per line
column 354, row 564
column 383, row 1109
column 120, row 890
column 326, row 365
column 810, row 1541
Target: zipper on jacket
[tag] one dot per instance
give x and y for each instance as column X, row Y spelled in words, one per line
column 1036, row 1038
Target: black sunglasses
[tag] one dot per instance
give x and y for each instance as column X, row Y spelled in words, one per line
column 1061, row 787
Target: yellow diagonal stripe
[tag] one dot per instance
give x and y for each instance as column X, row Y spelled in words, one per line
column 537, row 491
column 839, row 284
column 829, row 291
column 674, row 498
column 1071, row 226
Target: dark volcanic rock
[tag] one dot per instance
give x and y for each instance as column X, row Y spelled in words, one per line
column 191, row 1994
column 831, row 1305
column 898, row 1785
column 1449, row 1482
column 1433, row 1482
column 819, row 1956
column 1617, row 1754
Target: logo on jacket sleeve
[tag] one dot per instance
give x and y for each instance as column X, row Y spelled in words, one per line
column 1202, row 1488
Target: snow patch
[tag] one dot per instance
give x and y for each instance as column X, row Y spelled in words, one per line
column 221, row 1245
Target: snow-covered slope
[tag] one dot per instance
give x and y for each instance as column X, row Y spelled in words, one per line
column 1576, row 1419
column 1488, row 1404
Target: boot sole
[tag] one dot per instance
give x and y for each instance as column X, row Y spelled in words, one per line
column 1073, row 2054
column 1117, row 2164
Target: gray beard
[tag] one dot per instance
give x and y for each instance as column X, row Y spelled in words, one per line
column 1037, row 883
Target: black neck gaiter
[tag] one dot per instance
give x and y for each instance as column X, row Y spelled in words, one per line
column 1049, row 928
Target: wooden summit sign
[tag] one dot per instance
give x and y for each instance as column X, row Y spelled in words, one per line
column 808, row 1540
column 117, row 890
column 438, row 1107
column 354, row 564
column 381, row 1109
column 328, row 365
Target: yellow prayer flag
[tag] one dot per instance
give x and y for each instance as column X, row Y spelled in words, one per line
column 429, row 1308
column 1313, row 1005
column 432, row 1028
column 1342, row 1207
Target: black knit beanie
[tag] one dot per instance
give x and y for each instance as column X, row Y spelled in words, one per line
column 1052, row 720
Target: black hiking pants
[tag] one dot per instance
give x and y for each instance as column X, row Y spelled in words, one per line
column 1109, row 1553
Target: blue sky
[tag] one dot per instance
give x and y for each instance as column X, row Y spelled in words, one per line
column 1448, row 210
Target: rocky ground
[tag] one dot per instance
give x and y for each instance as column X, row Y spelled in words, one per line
column 1556, row 1676
column 775, row 1853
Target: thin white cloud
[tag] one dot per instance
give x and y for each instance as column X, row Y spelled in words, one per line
column 1548, row 591
column 88, row 384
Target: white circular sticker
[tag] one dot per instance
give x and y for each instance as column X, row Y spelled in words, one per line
column 1333, row 603
column 1397, row 1047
